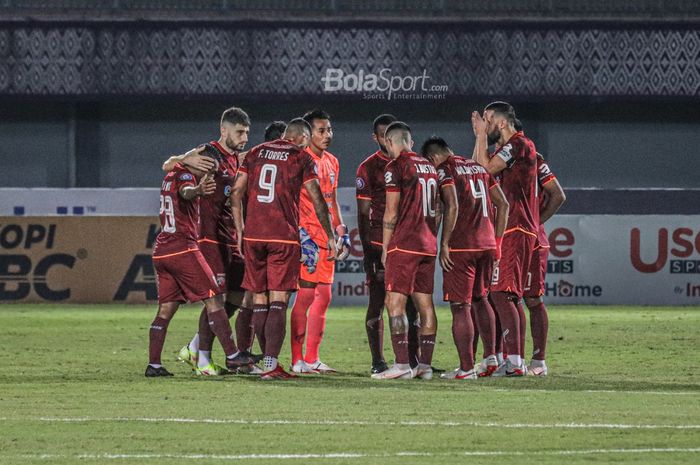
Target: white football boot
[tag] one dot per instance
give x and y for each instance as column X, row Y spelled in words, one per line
column 396, row 371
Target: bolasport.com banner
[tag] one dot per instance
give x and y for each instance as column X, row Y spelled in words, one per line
column 593, row 259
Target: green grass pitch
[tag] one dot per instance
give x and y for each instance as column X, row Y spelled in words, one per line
column 624, row 387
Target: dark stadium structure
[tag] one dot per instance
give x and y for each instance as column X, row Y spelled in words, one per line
column 606, row 89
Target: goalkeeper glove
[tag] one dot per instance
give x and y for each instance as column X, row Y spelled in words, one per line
column 343, row 243
column 309, row 250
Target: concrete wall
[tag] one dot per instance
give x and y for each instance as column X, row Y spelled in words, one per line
column 122, row 144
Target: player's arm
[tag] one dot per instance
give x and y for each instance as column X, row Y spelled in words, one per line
column 391, row 217
column 555, row 199
column 193, row 159
column 206, row 186
column 498, row 198
column 313, row 187
column 363, row 207
column 341, row 229
column 493, row 165
column 239, row 188
column 449, row 220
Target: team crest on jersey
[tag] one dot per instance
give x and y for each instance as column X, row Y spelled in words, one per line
column 220, row 280
column 186, row 177
column 227, row 191
column 360, row 183
column 332, row 176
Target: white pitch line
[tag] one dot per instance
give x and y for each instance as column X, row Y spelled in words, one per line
column 356, row 455
column 600, row 391
column 234, row 421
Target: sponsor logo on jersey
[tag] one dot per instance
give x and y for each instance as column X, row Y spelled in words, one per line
column 388, row 177
column 360, row 183
column 227, row 190
column 186, row 177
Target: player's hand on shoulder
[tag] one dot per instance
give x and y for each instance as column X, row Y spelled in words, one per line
column 195, row 159
column 207, row 185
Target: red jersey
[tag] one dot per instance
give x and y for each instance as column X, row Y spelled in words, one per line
column 474, row 229
column 416, row 179
column 519, row 183
column 544, row 175
column 328, row 170
column 276, row 172
column 179, row 218
column 215, row 210
column 370, row 186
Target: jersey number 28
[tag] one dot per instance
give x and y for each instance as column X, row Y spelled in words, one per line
column 166, row 207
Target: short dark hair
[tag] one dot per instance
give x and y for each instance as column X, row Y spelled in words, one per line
column 503, row 108
column 235, row 115
column 383, row 120
column 434, row 145
column 518, row 125
column 397, row 125
column 314, row 114
column 274, row 130
column 298, row 125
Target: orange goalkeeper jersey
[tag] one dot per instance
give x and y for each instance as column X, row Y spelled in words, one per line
column 328, row 174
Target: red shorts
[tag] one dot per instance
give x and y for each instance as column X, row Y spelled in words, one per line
column 226, row 264
column 325, row 269
column 185, row 277
column 271, row 266
column 534, row 281
column 407, row 273
column 470, row 276
column 516, row 252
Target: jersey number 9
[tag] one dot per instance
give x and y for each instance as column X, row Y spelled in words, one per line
column 268, row 174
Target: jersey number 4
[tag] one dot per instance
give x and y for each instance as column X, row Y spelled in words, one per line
column 268, row 175
column 168, row 212
column 480, row 193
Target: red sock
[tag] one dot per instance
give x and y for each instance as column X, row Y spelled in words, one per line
column 413, row 325
column 275, row 328
column 220, row 326
column 400, row 344
column 317, row 321
column 539, row 326
column 258, row 319
column 244, row 328
column 510, row 321
column 427, row 345
column 374, row 323
column 305, row 297
column 206, row 336
column 486, row 322
column 156, row 339
column 523, row 326
column 463, row 333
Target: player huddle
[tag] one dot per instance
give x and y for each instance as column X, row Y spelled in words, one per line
column 244, row 230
